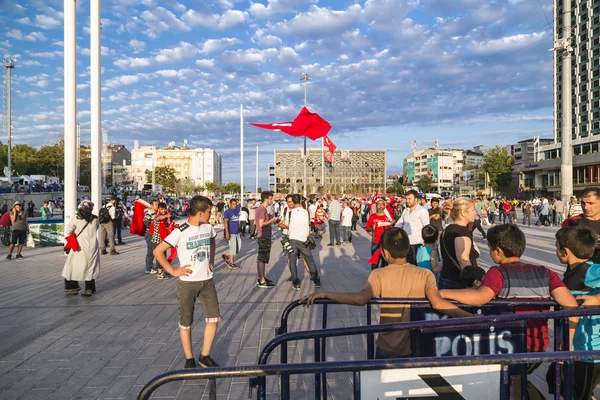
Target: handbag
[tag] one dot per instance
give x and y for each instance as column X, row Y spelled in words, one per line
column 68, row 249
column 310, row 243
column 30, row 241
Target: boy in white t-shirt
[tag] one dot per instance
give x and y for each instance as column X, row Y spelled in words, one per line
column 346, row 223
column 195, row 243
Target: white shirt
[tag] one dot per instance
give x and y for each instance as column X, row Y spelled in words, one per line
column 312, row 209
column 347, row 214
column 413, row 222
column 243, row 217
column 299, row 228
column 193, row 248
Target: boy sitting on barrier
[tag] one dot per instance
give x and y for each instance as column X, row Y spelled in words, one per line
column 517, row 280
column 398, row 279
column 575, row 247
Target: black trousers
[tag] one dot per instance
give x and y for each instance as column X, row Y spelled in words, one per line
column 354, row 221
column 411, row 258
column 117, row 225
column 477, row 225
column 74, row 285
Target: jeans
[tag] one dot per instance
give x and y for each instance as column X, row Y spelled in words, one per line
column 117, row 230
column 527, row 217
column 300, row 248
column 149, row 249
column 559, row 218
column 334, row 231
column 444, row 283
column 492, row 217
column 347, row 234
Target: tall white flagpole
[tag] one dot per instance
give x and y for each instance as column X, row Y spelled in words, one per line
column 242, row 154
column 96, row 109
column 256, row 170
column 70, row 110
column 323, row 163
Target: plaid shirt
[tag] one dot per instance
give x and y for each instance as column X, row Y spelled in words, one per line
column 335, row 210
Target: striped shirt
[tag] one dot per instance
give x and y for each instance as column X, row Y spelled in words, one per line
column 335, row 210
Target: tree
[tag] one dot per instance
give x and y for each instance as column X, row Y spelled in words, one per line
column 425, row 183
column 232, row 187
column 212, row 187
column 395, row 188
column 259, row 190
column 164, row 176
column 284, row 191
column 498, row 164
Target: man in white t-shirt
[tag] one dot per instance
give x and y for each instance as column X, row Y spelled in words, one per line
column 346, row 222
column 195, row 244
column 413, row 219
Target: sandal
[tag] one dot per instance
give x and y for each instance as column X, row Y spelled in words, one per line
column 87, row 293
column 233, row 266
column 72, row 292
column 225, row 259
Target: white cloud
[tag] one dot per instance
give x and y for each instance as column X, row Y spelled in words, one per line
column 24, row 20
column 137, row 45
column 226, row 20
column 213, row 45
column 47, row 22
column 274, row 7
column 168, row 56
column 160, row 20
column 30, row 63
column 507, row 43
column 35, row 36
column 124, row 80
column 14, row 34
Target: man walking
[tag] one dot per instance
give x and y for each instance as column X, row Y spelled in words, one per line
column 413, row 219
column 559, row 208
column 251, row 217
column 378, row 223
column 335, row 214
column 264, row 219
column 298, row 229
column 20, row 230
column 231, row 222
column 107, row 216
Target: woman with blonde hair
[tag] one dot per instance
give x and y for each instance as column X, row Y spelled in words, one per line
column 456, row 243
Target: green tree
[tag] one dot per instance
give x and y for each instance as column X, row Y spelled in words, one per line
column 259, row 190
column 284, row 191
column 425, row 184
column 395, row 188
column 498, row 164
column 164, row 176
column 51, row 159
column 232, row 187
column 213, row 187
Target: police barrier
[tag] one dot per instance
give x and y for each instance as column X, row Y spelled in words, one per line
column 420, row 311
column 359, row 367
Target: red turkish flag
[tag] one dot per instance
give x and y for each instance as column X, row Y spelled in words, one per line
column 137, row 225
column 329, row 144
column 306, row 124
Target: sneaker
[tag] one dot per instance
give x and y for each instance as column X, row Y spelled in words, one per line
column 296, row 285
column 266, row 280
column 329, row 244
column 72, row 292
column 87, row 293
column 146, row 272
column 121, row 243
column 190, row 363
column 233, row 266
column 207, row 362
column 114, row 253
column 19, row 257
column 163, row 276
column 266, row 284
column 9, row 257
column 317, row 282
column 153, row 271
column 103, row 252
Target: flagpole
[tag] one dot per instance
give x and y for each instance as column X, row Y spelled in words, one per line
column 256, row 170
column 305, row 78
column 241, row 155
column 323, row 163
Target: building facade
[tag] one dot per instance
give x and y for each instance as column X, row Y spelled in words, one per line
column 542, row 175
column 352, row 171
column 192, row 166
column 442, row 165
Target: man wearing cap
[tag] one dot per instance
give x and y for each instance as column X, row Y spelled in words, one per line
column 107, row 228
column 20, row 230
column 378, row 222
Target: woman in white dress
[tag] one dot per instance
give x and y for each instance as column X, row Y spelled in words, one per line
column 84, row 264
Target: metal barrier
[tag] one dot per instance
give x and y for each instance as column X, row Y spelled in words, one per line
column 319, row 337
column 321, row 344
column 368, row 365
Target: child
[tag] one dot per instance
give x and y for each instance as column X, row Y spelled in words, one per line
column 427, row 255
column 398, row 279
column 472, row 276
column 575, row 247
column 195, row 243
column 515, row 279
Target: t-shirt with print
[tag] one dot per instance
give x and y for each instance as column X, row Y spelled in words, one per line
column 262, row 213
column 234, row 220
column 537, row 330
column 398, row 281
column 193, row 248
column 379, row 224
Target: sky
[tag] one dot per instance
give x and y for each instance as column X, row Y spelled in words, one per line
column 384, row 73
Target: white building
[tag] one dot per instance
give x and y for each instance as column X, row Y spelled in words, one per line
column 442, row 165
column 192, row 166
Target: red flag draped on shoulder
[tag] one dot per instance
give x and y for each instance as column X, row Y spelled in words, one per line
column 137, row 221
column 306, row 124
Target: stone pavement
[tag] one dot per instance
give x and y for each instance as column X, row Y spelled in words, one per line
column 108, row 346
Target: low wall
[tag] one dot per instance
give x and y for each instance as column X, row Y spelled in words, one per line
column 38, row 199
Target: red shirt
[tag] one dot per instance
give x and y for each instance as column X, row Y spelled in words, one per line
column 379, row 223
column 537, row 330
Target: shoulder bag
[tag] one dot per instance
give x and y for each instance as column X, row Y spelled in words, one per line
column 68, row 250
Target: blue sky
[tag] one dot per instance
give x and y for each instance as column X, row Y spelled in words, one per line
column 384, row 72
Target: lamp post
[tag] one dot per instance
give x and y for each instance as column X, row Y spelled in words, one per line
column 305, row 78
column 9, row 63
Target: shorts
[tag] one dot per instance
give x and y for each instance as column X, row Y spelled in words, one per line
column 264, row 249
column 19, row 236
column 235, row 243
column 205, row 291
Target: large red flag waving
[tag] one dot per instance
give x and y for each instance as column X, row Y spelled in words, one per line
column 306, row 124
column 137, row 225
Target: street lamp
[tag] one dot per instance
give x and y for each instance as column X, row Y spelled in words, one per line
column 9, row 64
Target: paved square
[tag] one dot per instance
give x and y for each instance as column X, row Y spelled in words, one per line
column 108, row 346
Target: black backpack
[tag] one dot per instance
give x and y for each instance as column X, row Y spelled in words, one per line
column 104, row 215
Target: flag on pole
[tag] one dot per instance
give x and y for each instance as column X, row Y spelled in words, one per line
column 306, row 124
column 329, row 144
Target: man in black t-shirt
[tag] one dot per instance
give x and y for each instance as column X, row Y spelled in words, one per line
column 590, row 204
column 435, row 214
column 220, row 207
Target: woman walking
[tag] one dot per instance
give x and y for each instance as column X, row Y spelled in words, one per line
column 83, row 264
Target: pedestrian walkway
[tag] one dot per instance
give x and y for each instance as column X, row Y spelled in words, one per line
column 108, row 346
